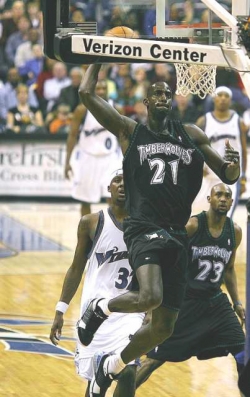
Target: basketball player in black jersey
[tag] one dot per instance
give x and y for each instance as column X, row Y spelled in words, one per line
column 207, row 326
column 163, row 166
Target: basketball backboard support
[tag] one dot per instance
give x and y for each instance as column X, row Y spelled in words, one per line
column 72, row 44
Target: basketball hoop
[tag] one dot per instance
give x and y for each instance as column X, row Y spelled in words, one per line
column 195, row 79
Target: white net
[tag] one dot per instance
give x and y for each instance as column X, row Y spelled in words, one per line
column 195, row 79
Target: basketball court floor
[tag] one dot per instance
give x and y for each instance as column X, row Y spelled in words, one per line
column 37, row 246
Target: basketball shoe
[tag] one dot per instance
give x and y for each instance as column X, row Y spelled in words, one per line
column 90, row 321
column 102, row 379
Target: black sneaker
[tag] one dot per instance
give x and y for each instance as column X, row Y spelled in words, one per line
column 101, row 381
column 90, row 321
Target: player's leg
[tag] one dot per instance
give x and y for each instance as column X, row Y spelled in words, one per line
column 107, row 366
column 148, row 366
column 149, row 296
column 126, row 382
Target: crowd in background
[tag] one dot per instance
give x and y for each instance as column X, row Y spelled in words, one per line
column 38, row 94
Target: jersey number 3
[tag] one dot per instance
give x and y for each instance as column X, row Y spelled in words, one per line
column 159, row 174
column 206, row 267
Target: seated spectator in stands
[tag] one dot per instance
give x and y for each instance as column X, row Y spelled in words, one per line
column 77, row 16
column 33, row 67
column 184, row 110
column 188, row 16
column 5, row 9
column 9, row 25
column 60, row 123
column 8, row 94
column 24, row 118
column 69, row 95
column 141, row 83
column 119, row 73
column 104, row 75
column 15, row 39
column 164, row 72
column 53, row 86
column 34, row 14
column 24, row 52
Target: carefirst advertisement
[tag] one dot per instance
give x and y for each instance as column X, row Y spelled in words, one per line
column 35, row 169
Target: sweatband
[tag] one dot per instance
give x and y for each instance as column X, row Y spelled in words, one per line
column 62, row 307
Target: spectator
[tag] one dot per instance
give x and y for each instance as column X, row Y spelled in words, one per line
column 60, row 123
column 184, row 110
column 119, row 73
column 9, row 25
column 24, row 52
column 77, row 16
column 141, row 83
column 104, row 75
column 45, row 74
column 33, row 67
column 34, row 14
column 53, row 86
column 23, row 117
column 69, row 95
column 164, row 72
column 8, row 95
column 16, row 39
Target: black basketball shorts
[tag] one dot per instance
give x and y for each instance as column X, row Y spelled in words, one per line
column 205, row 329
column 170, row 252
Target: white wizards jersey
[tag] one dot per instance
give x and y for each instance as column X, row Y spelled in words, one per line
column 108, row 275
column 218, row 131
column 95, row 139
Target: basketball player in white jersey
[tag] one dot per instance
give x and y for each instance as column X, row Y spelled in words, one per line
column 91, row 152
column 223, row 123
column 101, row 249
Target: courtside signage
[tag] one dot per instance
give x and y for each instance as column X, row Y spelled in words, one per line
column 146, row 50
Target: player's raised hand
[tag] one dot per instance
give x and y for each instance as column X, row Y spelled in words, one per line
column 231, row 155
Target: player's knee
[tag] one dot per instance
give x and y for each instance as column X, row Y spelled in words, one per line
column 163, row 331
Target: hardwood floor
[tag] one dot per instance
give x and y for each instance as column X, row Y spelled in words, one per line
column 30, row 286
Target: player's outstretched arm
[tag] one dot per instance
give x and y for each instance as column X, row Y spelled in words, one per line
column 228, row 167
column 231, row 279
column 74, row 274
column 104, row 113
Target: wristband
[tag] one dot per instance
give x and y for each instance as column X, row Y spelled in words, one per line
column 62, row 307
column 237, row 303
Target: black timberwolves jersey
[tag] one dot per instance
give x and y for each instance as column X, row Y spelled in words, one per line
column 162, row 176
column 208, row 258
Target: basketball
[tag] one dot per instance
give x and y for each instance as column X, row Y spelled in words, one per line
column 121, row 31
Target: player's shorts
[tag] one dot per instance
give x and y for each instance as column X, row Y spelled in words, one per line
column 205, row 329
column 112, row 337
column 168, row 248
column 91, row 175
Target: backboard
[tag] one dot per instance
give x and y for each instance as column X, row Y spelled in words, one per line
column 85, row 42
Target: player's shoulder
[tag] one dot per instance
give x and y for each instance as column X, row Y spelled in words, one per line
column 237, row 229
column 196, row 133
column 192, row 226
column 88, row 223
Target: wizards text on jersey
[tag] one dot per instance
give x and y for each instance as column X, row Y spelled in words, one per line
column 168, row 148
column 211, row 250
column 110, row 256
